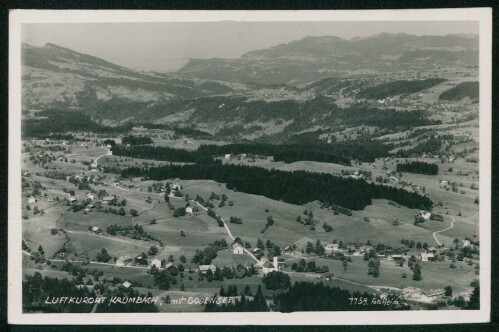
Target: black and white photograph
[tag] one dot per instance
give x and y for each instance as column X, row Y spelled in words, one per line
column 292, row 167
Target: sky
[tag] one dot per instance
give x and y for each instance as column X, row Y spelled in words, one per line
column 169, row 46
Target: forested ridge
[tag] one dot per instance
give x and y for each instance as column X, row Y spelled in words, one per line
column 298, row 187
column 399, row 87
column 339, row 152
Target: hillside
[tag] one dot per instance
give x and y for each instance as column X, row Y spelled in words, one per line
column 313, row 58
column 59, row 77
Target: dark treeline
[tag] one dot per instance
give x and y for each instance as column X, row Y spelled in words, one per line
column 307, row 296
column 56, row 121
column 432, row 145
column 298, row 187
column 136, row 140
column 460, row 91
column 157, row 153
column 418, row 167
column 386, row 118
column 340, row 152
column 399, row 87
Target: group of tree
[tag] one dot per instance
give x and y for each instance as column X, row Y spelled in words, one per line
column 298, row 187
column 418, row 167
column 209, row 253
column 310, row 266
column 136, row 140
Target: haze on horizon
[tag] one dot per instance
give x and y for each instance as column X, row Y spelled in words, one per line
column 166, row 47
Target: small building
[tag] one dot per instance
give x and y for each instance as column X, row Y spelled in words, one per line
column 31, row 200
column 278, row 262
column 433, row 250
column 435, row 293
column 90, row 196
column 331, row 247
column 168, row 265
column 50, row 199
column 444, row 183
column 466, row 243
column 84, row 144
column 108, row 146
column 188, row 210
column 427, row 256
column 96, row 230
column 72, row 199
column 126, row 284
column 204, row 268
column 156, row 262
column 227, row 156
column 175, row 186
column 107, row 199
column 237, row 249
column 124, row 260
column 288, row 249
column 424, row 214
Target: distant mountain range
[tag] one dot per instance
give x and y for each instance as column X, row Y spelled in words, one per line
column 290, row 86
column 312, row 58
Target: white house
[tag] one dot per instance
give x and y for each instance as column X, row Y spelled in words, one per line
column 84, row 144
column 427, row 256
column 156, row 262
column 31, row 200
column 424, row 214
column 50, row 199
column 331, row 247
column 237, row 249
column 188, row 210
column 90, row 196
column 126, row 284
column 96, row 230
column 466, row 243
column 227, row 156
column 107, row 199
column 124, row 260
column 205, row 268
column 444, row 183
column 72, row 199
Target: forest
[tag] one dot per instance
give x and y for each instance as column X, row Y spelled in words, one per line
column 460, row 91
column 56, row 121
column 418, row 167
column 340, row 152
column 298, row 187
column 398, row 87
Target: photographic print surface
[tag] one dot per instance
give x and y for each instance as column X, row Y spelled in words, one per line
column 218, row 165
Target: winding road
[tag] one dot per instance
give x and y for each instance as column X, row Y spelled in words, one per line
column 443, row 230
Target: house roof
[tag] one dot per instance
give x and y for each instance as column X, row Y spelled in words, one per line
column 125, row 258
column 127, row 284
column 206, row 267
column 236, row 245
column 108, row 198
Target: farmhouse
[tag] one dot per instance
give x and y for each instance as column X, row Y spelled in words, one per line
column 288, row 250
column 444, row 183
column 227, row 156
column 169, row 265
column 31, row 200
column 50, row 199
column 237, row 249
column 266, row 266
column 126, row 284
column 124, row 260
column 90, row 196
column 204, row 268
column 466, row 243
column 424, row 214
column 107, row 199
column 331, row 247
column 434, row 293
column 156, row 262
column 433, row 250
column 188, row 210
column 96, row 230
column 425, row 257
column 72, row 199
